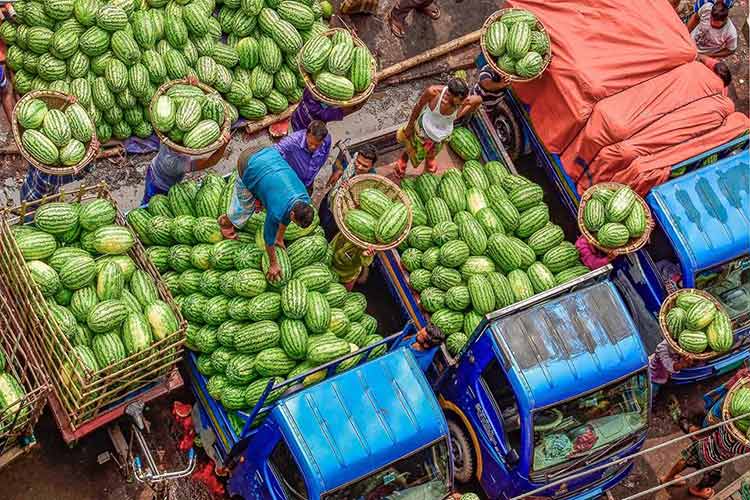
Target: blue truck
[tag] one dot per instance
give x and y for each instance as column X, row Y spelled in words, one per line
column 544, row 389
column 375, row 430
column 701, row 238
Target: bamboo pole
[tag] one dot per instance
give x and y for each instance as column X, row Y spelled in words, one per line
column 428, row 55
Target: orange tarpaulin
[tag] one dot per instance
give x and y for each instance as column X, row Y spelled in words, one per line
column 623, row 98
column 599, row 48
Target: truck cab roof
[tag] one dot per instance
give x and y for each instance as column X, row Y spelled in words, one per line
column 570, row 345
column 706, row 214
column 361, row 420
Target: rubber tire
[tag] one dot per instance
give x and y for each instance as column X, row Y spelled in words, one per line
column 508, row 129
column 464, row 463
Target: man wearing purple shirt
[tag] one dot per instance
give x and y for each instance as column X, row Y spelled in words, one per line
column 306, row 151
column 309, row 110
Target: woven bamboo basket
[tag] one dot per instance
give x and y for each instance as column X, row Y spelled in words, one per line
column 54, row 100
column 635, row 243
column 179, row 148
column 310, row 84
column 667, row 305
column 348, row 198
column 84, row 396
column 733, row 430
column 491, row 59
column 18, row 420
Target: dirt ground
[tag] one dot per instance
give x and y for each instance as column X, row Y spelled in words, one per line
column 55, row 471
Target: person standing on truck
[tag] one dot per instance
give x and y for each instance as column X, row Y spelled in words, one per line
column 718, row 446
column 712, row 30
column 490, row 84
column 431, row 123
column 662, row 364
column 362, row 163
column 350, row 262
column 267, row 178
column 306, row 151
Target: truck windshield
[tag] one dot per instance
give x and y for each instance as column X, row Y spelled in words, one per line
column 420, row 476
column 590, row 423
column 730, row 284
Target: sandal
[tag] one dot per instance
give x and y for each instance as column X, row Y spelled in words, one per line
column 397, row 27
column 432, row 11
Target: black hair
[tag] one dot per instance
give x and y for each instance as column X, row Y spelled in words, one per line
column 458, row 87
column 318, row 129
column 719, row 12
column 722, row 70
column 303, row 214
column 368, row 151
column 435, row 335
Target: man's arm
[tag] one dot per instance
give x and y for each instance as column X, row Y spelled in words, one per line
column 725, row 52
column 335, row 176
column 280, row 232
column 212, row 160
column 423, row 100
column 693, row 22
column 470, row 104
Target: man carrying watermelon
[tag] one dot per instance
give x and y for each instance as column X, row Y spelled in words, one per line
column 267, row 178
column 306, row 151
column 431, row 123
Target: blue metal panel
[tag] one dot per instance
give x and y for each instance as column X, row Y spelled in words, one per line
column 571, row 345
column 361, row 420
column 706, row 214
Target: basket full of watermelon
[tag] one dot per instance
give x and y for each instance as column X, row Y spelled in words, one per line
column 372, row 211
column 516, row 44
column 190, row 117
column 53, row 132
column 338, row 68
column 736, row 404
column 695, row 324
column 614, row 218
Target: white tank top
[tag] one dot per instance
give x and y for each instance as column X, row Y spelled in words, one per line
column 436, row 125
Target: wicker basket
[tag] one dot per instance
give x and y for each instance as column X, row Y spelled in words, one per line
column 725, row 415
column 179, row 148
column 18, row 420
column 667, row 305
column 310, row 84
column 90, row 395
column 635, row 243
column 348, row 198
column 491, row 59
column 54, row 100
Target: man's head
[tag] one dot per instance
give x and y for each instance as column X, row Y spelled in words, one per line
column 719, row 15
column 316, row 132
column 458, row 90
column 430, row 336
column 302, row 214
column 722, row 70
column 366, row 158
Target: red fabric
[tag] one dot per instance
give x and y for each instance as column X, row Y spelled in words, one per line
column 590, row 256
column 599, row 48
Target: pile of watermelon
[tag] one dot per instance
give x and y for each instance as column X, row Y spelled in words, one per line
column 378, row 219
column 188, row 116
column 481, row 240
column 340, row 68
column 107, row 308
column 113, row 56
column 11, row 395
column 520, row 48
column 615, row 217
column 740, row 405
column 246, row 330
column 53, row 136
column 697, row 325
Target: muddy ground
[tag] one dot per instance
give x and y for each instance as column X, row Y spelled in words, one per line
column 52, row 470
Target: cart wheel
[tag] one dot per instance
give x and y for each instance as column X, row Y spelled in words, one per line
column 463, row 453
column 507, row 129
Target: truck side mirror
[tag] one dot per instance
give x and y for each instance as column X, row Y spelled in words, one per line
column 512, row 457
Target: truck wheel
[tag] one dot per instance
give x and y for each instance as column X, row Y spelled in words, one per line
column 507, row 129
column 463, row 453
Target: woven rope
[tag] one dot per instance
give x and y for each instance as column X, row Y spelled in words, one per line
column 635, row 243
column 310, row 84
column 725, row 415
column 667, row 305
column 179, row 148
column 546, row 58
column 347, row 198
column 53, row 100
